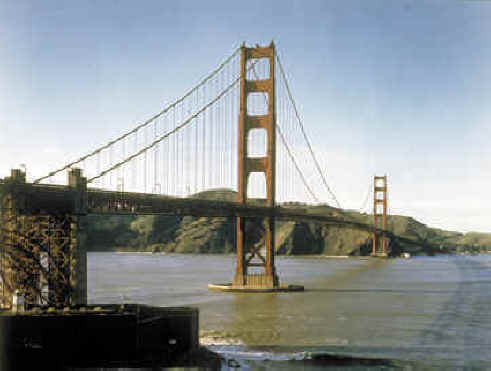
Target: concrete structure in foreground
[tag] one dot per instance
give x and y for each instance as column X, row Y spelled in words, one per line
column 98, row 335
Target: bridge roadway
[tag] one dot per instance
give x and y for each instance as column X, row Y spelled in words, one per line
column 58, row 199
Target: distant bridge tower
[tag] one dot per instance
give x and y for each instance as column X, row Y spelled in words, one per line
column 267, row 278
column 379, row 242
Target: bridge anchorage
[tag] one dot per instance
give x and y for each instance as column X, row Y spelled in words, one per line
column 255, row 269
column 42, row 241
column 379, row 240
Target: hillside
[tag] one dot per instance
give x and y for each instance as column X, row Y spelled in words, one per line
column 216, row 235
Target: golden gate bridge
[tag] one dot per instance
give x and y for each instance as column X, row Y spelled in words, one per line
column 221, row 134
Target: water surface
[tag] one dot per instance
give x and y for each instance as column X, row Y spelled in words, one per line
column 432, row 311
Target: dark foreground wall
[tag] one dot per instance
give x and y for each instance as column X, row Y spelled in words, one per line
column 84, row 336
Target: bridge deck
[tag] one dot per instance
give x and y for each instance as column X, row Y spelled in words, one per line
column 45, row 198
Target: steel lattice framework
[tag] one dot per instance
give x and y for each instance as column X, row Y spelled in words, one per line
column 42, row 256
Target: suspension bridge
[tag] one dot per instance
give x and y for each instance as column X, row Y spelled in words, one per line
column 238, row 128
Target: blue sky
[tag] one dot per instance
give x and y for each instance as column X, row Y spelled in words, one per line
column 396, row 87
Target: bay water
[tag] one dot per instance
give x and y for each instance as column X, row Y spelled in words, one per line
column 411, row 313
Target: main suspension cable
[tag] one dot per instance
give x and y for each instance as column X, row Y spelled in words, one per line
column 303, row 131
column 164, row 136
column 285, row 143
column 165, row 110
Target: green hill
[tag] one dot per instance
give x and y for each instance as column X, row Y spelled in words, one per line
column 216, row 235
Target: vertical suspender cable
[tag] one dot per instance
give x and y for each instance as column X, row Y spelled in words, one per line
column 110, row 164
column 177, row 179
column 196, row 127
column 183, row 151
column 124, row 156
column 220, row 134
column 176, row 155
column 186, row 151
column 167, row 162
column 304, row 133
column 204, row 169
column 146, row 162
column 155, row 154
column 99, row 167
column 210, row 151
